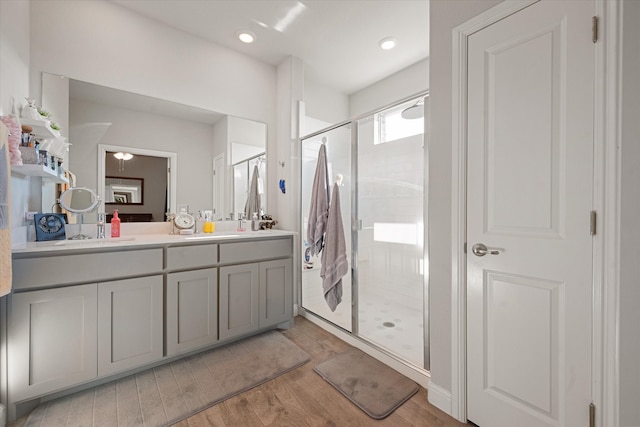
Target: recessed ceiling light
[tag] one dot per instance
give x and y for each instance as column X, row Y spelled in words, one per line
column 387, row 43
column 246, row 37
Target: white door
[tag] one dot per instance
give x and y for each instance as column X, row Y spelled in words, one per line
column 529, row 196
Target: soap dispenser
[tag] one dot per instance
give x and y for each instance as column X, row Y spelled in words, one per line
column 115, row 224
column 255, row 224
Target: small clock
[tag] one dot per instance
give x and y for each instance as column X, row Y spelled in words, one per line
column 184, row 221
column 49, row 226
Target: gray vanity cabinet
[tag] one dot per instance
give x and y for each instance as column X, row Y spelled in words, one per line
column 238, row 300
column 192, row 310
column 276, row 292
column 130, row 314
column 259, row 294
column 143, row 305
column 64, row 331
column 52, row 335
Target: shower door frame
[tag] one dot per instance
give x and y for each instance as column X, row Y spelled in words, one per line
column 355, row 228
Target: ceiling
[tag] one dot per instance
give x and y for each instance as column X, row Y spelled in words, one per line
column 337, row 40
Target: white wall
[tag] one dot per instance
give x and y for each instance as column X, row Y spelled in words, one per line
column 14, row 56
column 403, row 84
column 324, row 104
column 100, row 42
column 14, row 87
column 444, row 16
column 630, row 220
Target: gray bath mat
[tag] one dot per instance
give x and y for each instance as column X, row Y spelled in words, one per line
column 371, row 385
column 169, row 393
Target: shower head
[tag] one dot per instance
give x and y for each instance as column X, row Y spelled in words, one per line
column 416, row 111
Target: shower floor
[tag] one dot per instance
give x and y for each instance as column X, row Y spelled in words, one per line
column 384, row 322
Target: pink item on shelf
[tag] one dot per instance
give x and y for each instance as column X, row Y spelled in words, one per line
column 15, row 134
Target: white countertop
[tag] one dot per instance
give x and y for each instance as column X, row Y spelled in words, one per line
column 126, row 241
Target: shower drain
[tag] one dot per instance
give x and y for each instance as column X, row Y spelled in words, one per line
column 389, row 324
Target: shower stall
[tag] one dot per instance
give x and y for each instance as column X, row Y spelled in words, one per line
column 378, row 161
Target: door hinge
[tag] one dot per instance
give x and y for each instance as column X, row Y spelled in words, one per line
column 592, row 415
column 465, row 247
column 592, row 222
column 594, row 29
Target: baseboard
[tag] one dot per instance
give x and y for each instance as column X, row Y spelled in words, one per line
column 439, row 397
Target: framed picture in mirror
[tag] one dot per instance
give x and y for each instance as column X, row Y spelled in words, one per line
column 124, row 190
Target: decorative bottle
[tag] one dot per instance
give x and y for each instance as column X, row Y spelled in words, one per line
column 115, row 224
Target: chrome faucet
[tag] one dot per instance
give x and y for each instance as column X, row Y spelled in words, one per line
column 100, row 225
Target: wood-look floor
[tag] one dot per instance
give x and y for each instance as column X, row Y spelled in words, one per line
column 302, row 398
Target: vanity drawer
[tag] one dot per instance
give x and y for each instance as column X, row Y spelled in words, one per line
column 84, row 268
column 179, row 257
column 255, row 250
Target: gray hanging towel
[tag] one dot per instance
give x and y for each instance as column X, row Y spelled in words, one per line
column 334, row 254
column 319, row 210
column 253, row 198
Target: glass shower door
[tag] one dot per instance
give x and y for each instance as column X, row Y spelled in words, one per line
column 390, row 242
column 337, row 142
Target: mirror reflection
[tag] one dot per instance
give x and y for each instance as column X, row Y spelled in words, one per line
column 124, row 191
column 245, row 173
column 206, row 143
column 140, row 187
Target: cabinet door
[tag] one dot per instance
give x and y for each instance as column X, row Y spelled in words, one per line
column 276, row 292
column 238, row 300
column 192, row 310
column 53, row 339
column 129, row 323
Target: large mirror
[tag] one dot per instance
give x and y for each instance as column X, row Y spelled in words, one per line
column 193, row 150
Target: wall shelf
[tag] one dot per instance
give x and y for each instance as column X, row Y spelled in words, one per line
column 41, row 127
column 41, row 171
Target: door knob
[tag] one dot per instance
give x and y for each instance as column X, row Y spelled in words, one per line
column 480, row 249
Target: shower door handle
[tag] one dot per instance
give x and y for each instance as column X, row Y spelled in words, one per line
column 480, row 249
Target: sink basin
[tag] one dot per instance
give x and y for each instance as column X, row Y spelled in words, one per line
column 213, row 236
column 92, row 241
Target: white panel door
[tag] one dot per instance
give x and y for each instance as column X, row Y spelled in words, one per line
column 529, row 195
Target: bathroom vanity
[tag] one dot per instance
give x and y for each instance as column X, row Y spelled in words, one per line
column 83, row 313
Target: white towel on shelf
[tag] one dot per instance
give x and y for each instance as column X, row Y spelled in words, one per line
column 334, row 255
column 319, row 210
